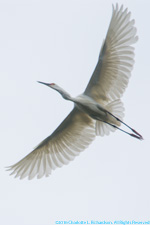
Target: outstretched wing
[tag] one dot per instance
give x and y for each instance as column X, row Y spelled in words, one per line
column 73, row 135
column 115, row 63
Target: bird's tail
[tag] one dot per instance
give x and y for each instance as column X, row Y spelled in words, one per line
column 115, row 108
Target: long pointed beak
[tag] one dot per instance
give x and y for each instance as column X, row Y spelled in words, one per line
column 47, row 84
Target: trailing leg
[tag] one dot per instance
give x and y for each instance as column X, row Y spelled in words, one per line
column 139, row 136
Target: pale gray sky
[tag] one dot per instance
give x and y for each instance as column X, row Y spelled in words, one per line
column 59, row 41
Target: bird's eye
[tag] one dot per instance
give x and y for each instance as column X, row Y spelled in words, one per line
column 52, row 84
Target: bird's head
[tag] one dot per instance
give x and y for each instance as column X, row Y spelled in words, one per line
column 57, row 88
column 51, row 85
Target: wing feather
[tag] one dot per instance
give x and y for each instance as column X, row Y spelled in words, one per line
column 113, row 70
column 73, row 135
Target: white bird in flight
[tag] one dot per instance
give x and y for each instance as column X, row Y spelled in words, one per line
column 97, row 111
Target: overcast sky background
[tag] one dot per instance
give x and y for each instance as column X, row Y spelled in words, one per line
column 59, row 41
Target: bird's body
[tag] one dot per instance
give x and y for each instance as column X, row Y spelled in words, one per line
column 97, row 111
column 90, row 106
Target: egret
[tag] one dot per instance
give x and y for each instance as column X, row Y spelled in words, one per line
column 98, row 111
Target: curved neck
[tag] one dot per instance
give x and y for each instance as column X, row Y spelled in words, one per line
column 65, row 94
